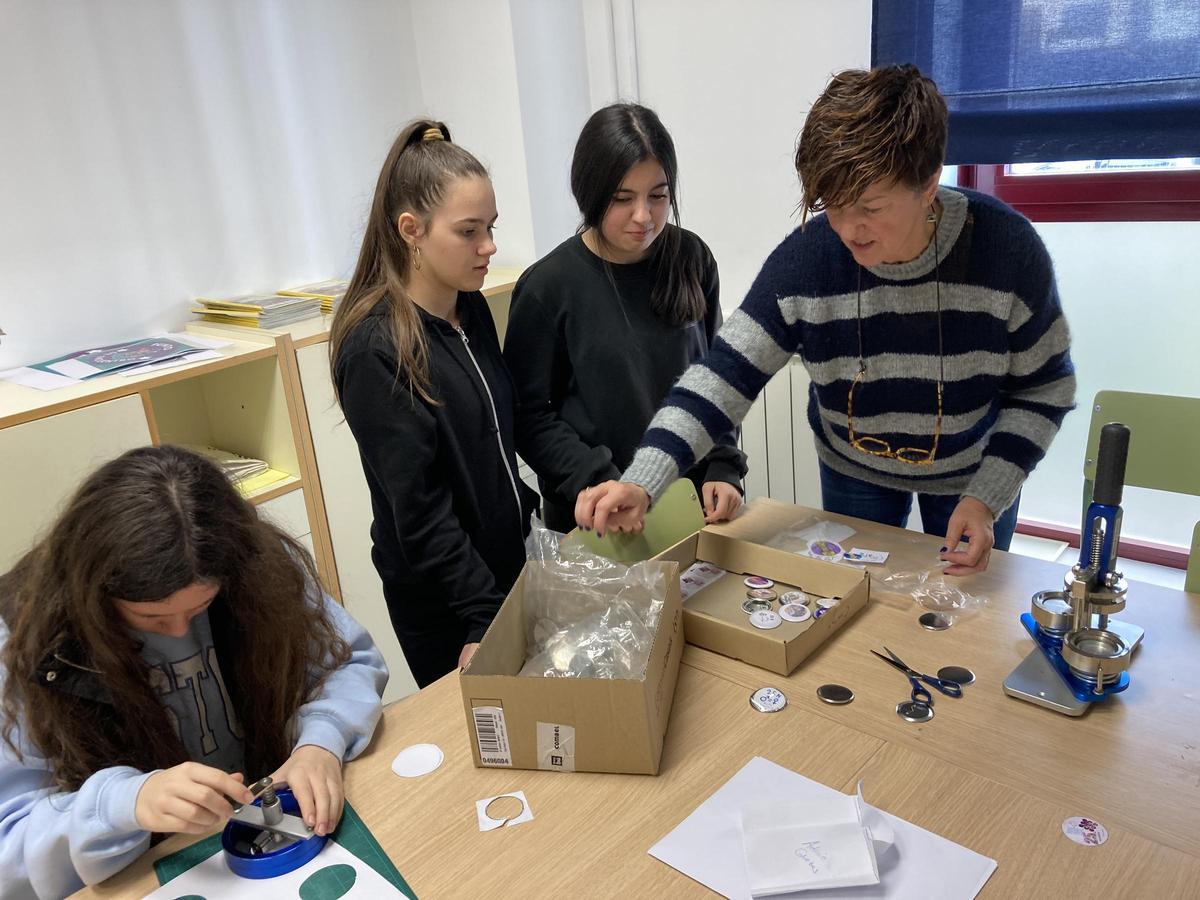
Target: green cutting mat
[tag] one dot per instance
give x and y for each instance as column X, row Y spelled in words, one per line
column 351, row 833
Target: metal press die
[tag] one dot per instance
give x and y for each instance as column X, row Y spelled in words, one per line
column 1082, row 655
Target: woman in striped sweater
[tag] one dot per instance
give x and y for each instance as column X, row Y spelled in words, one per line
column 928, row 320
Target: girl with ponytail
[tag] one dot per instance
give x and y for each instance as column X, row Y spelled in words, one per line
column 417, row 369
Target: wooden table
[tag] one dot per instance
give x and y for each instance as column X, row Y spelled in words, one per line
column 989, row 772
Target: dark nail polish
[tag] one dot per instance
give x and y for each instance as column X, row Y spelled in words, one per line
column 943, row 550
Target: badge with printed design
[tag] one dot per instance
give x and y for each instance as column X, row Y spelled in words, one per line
column 765, row 619
column 1085, row 831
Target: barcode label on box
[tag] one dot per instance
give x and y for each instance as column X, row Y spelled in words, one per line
column 556, row 747
column 492, row 736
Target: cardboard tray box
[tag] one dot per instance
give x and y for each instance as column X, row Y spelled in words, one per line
column 713, row 618
column 569, row 724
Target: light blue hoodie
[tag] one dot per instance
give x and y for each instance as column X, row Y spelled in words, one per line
column 54, row 842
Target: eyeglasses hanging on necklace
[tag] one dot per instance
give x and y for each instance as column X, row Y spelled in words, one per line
column 917, row 456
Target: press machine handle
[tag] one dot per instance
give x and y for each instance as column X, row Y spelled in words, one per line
column 1110, row 464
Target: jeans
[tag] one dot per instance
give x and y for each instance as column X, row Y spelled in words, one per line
column 849, row 496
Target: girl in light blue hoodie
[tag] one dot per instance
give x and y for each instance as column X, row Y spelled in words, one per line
column 160, row 646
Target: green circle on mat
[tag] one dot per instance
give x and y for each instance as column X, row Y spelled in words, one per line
column 328, row 883
column 190, row 897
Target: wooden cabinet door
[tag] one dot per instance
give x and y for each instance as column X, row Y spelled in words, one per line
column 42, row 463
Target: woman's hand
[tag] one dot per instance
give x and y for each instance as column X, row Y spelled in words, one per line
column 971, row 519
column 189, row 798
column 315, row 777
column 721, row 501
column 612, row 506
column 468, row 651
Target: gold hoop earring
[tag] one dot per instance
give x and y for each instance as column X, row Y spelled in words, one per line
column 417, row 258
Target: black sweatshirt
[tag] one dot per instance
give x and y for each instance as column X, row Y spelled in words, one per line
column 592, row 364
column 448, row 532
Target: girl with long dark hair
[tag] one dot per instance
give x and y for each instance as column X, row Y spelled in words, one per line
column 418, row 372
column 603, row 325
column 160, row 644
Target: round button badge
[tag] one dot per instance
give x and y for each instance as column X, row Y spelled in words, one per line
column 765, row 619
column 768, row 700
column 794, row 597
column 932, row 621
column 795, row 612
column 827, row 550
column 761, row 594
column 835, row 694
column 912, row 711
column 960, row 675
column 751, row 605
column 757, row 581
column 1085, row 831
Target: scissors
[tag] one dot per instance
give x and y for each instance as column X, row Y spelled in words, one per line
column 919, row 694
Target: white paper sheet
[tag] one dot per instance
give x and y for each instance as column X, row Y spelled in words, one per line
column 36, row 378
column 707, row 845
column 212, row 879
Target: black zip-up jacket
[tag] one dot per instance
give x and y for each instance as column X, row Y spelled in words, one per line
column 451, row 514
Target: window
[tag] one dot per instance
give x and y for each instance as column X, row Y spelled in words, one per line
column 1103, row 190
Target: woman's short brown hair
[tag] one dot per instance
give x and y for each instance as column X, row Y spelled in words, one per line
column 886, row 124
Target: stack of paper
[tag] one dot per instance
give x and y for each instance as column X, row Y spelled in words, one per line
column 234, row 466
column 258, row 310
column 247, row 473
column 329, row 293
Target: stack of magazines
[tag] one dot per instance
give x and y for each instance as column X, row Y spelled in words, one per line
column 329, row 293
column 258, row 310
column 247, row 473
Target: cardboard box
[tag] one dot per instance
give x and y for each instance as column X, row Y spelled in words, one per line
column 713, row 618
column 569, row 724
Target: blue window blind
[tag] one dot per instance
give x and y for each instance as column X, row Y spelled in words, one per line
column 1053, row 80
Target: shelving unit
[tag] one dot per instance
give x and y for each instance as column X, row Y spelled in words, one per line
column 246, row 401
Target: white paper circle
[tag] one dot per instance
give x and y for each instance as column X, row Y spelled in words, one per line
column 417, row 760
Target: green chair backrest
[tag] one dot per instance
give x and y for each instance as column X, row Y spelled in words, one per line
column 1164, row 450
column 675, row 516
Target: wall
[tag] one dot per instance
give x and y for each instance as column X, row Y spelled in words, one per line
column 733, row 82
column 155, row 150
column 468, row 69
column 549, row 40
